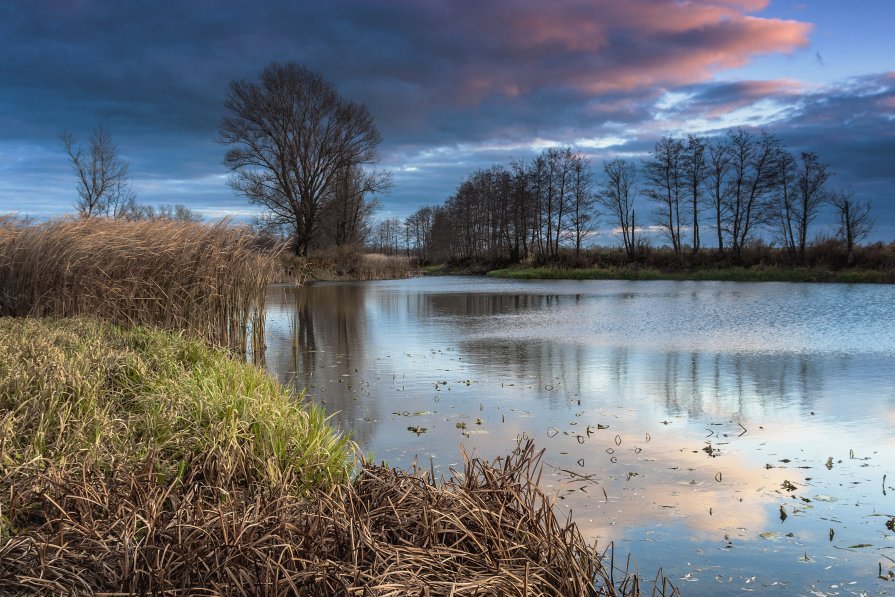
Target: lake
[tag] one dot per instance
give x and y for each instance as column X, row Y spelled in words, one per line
column 737, row 435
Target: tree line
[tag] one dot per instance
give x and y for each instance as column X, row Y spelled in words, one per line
column 307, row 155
column 721, row 192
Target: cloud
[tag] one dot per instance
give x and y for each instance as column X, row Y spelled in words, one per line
column 452, row 85
column 167, row 64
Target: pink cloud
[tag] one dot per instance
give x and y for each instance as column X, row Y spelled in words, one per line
column 596, row 47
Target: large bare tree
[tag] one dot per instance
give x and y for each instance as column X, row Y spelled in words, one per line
column 103, row 185
column 291, row 135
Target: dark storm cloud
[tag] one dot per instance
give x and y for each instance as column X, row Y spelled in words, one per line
column 850, row 125
column 501, row 74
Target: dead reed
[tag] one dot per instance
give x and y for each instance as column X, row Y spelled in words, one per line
column 487, row 530
column 347, row 263
column 208, row 280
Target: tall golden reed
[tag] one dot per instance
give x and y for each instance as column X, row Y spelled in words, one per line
column 205, row 279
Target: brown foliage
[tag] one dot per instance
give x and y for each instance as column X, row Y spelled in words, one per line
column 347, row 263
column 487, row 531
column 207, row 280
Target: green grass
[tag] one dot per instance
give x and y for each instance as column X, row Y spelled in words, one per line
column 434, row 270
column 730, row 274
column 78, row 390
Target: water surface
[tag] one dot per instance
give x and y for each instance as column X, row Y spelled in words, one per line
column 738, row 435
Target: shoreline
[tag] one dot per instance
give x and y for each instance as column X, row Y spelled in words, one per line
column 731, row 274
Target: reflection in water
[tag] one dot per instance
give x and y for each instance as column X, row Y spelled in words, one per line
column 693, row 406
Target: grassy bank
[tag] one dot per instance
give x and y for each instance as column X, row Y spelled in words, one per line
column 82, row 391
column 731, row 274
column 143, row 462
column 208, row 280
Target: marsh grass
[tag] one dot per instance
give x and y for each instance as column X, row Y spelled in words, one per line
column 347, row 263
column 207, row 280
column 78, row 390
column 487, row 530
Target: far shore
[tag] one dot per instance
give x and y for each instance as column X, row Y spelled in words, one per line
column 727, row 274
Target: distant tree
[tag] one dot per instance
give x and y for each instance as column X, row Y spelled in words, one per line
column 419, row 225
column 132, row 210
column 695, row 171
column 520, row 228
column 103, row 183
column 753, row 179
column 616, row 196
column 347, row 210
column 800, row 191
column 719, row 154
column 785, row 201
column 665, row 186
column 811, row 181
column 582, row 200
column 291, row 135
column 555, row 199
column 855, row 222
column 388, row 235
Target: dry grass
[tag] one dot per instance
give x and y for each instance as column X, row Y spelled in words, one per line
column 207, row 280
column 137, row 461
column 348, row 263
column 486, row 531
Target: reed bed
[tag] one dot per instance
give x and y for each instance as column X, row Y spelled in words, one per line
column 208, row 280
column 487, row 530
column 348, row 263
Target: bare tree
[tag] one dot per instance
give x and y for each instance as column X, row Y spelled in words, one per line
column 347, row 209
column 719, row 155
column 132, row 210
column 785, row 201
column 419, row 223
column 695, row 172
column 810, row 182
column 291, row 134
column 753, row 179
column 664, row 185
column 103, row 184
column 617, row 197
column 583, row 218
column 855, row 222
column 800, row 190
column 387, row 236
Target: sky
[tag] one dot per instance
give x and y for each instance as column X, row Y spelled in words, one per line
column 453, row 86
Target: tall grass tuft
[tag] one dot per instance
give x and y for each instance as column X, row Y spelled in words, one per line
column 79, row 390
column 208, row 280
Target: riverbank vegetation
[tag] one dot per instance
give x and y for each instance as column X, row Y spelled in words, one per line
column 145, row 462
column 208, row 280
column 347, row 263
column 140, row 453
column 824, row 262
column 692, row 208
column 728, row 274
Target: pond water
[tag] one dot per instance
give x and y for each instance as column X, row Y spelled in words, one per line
column 739, row 436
